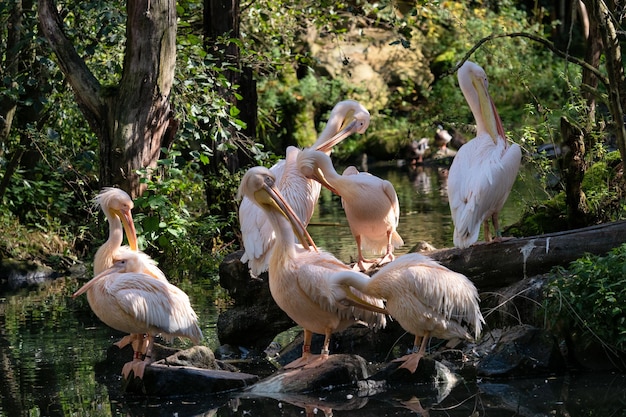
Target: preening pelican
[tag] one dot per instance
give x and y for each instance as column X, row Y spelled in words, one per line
column 129, row 300
column 370, row 203
column 117, row 206
column 298, row 273
column 484, row 170
column 426, row 298
column 346, row 118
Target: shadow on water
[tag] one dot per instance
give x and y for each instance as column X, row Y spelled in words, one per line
column 50, row 343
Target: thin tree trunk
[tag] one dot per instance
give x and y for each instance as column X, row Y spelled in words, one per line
column 574, row 167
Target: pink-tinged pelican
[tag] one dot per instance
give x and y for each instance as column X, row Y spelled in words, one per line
column 484, row 170
column 298, row 273
column 347, row 117
column 426, row 298
column 129, row 300
column 370, row 203
column 117, row 206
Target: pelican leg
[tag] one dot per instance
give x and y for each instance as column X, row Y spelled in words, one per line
column 306, row 352
column 362, row 264
column 140, row 366
column 411, row 360
column 389, row 257
column 487, row 231
column 126, row 340
column 325, row 354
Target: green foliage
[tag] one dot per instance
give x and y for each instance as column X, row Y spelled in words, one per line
column 589, row 298
column 168, row 220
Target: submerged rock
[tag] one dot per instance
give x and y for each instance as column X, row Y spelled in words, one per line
column 519, row 351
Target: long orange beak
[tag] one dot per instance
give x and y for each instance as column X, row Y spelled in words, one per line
column 129, row 227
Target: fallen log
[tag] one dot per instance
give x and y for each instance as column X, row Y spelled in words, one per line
column 499, row 264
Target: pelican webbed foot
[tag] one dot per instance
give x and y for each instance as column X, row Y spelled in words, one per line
column 317, row 360
column 125, row 341
column 410, row 361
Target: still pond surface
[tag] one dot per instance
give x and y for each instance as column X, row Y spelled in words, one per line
column 50, row 344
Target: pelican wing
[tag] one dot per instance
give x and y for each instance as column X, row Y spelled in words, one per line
column 333, row 298
column 438, row 290
column 479, row 182
column 157, row 304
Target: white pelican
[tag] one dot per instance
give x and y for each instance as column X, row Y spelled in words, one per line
column 370, row 203
column 484, row 170
column 426, row 298
column 128, row 300
column 298, row 273
column 117, row 206
column 346, row 118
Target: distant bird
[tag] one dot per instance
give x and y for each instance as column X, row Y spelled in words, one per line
column 484, row 170
column 371, row 205
column 442, row 137
column 128, row 300
column 298, row 273
column 417, row 150
column 426, row 298
column 117, row 207
column 346, row 118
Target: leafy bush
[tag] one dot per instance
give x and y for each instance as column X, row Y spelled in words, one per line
column 590, row 298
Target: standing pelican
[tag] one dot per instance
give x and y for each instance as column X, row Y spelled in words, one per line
column 484, row 170
column 129, row 300
column 346, row 118
column 370, row 203
column 426, row 298
column 117, row 206
column 298, row 273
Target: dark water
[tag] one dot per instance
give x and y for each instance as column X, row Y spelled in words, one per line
column 50, row 344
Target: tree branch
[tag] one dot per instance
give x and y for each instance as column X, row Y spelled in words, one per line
column 85, row 85
column 604, row 80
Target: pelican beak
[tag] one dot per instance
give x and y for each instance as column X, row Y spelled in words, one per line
column 493, row 123
column 129, row 227
column 357, row 301
column 350, row 125
column 271, row 196
column 319, row 176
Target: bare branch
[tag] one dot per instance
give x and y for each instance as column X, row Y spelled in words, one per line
column 604, row 80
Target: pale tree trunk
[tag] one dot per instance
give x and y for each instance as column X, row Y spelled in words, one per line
column 135, row 120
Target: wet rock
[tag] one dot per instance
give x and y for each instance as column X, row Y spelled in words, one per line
column 338, row 371
column 198, row 356
column 254, row 319
column 519, row 351
column 15, row 274
column 163, row 380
